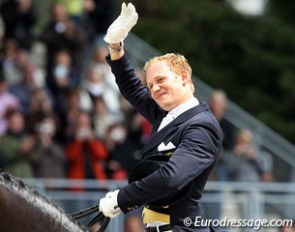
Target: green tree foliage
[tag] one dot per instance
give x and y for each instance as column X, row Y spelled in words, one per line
column 252, row 59
column 283, row 10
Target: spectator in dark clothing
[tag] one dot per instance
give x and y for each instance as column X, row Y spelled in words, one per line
column 218, row 105
column 19, row 17
column 64, row 77
column 40, row 106
column 52, row 159
column 73, row 105
column 64, row 72
column 62, row 33
column 98, row 15
column 7, row 102
column 9, row 62
column 22, row 89
column 124, row 152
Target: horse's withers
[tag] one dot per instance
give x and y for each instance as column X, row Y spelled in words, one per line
column 25, row 210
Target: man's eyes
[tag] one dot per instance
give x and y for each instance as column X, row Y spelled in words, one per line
column 158, row 81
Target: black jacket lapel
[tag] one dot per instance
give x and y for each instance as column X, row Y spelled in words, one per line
column 157, row 138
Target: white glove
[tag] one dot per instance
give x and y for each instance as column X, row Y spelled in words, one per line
column 119, row 29
column 108, row 205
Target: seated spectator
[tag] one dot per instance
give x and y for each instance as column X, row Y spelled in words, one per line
column 139, row 128
column 124, row 152
column 75, row 101
column 62, row 33
column 218, row 105
column 98, row 15
column 7, row 102
column 99, row 61
column 23, row 89
column 64, row 79
column 19, row 17
column 52, row 160
column 40, row 106
column 85, row 153
column 9, row 62
column 244, row 162
column 18, row 153
column 97, row 84
column 63, row 73
column 102, row 118
column 74, row 8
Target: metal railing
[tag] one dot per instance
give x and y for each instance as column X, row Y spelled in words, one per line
column 220, row 200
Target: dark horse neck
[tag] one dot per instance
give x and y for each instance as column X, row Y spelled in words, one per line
column 24, row 210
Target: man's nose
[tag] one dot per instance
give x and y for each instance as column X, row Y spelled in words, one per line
column 155, row 88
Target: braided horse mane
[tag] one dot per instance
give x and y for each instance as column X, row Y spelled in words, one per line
column 22, row 209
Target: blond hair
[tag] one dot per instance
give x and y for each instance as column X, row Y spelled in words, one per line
column 176, row 62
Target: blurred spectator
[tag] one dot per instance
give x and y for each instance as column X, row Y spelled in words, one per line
column 85, row 154
column 64, row 74
column 218, row 105
column 64, row 77
column 98, row 15
column 244, row 163
column 62, row 33
column 9, row 63
column 7, row 102
column 19, row 17
column 18, row 153
column 98, row 62
column 75, row 101
column 40, row 106
column 52, row 159
column 2, row 31
column 23, row 89
column 98, row 85
column 124, row 152
column 139, row 129
column 75, row 8
column 102, row 118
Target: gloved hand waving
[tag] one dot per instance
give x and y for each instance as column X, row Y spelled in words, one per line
column 120, row 28
column 108, row 205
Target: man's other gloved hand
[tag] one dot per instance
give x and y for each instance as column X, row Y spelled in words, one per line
column 108, row 205
column 120, row 28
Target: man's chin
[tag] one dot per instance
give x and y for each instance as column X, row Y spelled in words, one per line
column 166, row 107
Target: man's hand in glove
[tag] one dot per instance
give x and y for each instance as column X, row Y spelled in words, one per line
column 108, row 205
column 120, row 28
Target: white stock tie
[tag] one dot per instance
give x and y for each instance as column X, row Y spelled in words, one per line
column 166, row 120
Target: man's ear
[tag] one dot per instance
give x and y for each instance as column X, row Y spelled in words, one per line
column 185, row 77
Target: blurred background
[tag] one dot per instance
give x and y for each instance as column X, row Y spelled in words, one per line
column 65, row 128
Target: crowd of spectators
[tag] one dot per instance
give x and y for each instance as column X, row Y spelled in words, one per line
column 69, row 122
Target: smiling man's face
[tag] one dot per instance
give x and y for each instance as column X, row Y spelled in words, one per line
column 167, row 88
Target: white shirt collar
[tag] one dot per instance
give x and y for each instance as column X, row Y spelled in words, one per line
column 184, row 107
